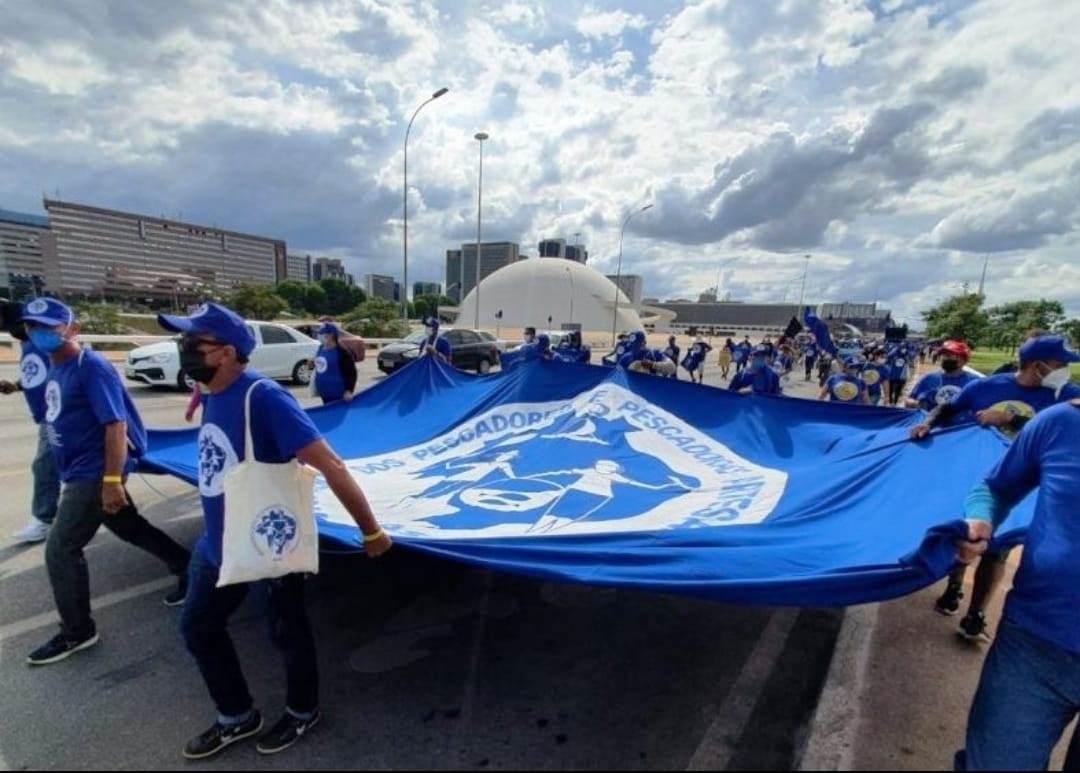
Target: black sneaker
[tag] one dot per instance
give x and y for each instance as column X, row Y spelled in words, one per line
column 59, row 648
column 177, row 597
column 949, row 603
column 973, row 628
column 220, row 737
column 285, row 733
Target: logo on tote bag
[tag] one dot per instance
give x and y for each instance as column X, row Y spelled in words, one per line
column 275, row 532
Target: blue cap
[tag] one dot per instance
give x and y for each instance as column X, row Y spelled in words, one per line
column 853, row 361
column 47, row 311
column 760, row 350
column 431, row 322
column 222, row 324
column 1046, row 348
column 328, row 329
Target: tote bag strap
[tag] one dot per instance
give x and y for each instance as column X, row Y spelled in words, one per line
column 249, row 446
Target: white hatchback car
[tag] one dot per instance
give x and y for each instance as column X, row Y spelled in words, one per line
column 280, row 353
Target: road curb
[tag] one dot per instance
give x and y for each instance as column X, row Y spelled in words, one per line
column 830, row 744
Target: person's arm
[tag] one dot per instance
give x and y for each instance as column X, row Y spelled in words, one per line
column 113, row 497
column 320, row 456
column 824, row 392
column 347, row 368
column 990, row 502
column 10, row 387
column 193, row 404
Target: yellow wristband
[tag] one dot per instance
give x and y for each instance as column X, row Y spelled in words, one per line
column 373, row 537
column 112, row 479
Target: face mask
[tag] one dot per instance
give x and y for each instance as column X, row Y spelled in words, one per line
column 1057, row 379
column 950, row 366
column 194, row 364
column 430, row 331
column 325, row 339
column 46, row 340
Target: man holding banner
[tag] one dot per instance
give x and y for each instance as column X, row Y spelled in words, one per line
column 214, row 351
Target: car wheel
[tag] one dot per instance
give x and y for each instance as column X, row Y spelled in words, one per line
column 184, row 382
column 301, row 373
column 484, row 367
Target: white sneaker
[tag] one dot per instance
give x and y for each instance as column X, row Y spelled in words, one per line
column 35, row 531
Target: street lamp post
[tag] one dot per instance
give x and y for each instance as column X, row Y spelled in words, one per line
column 479, row 137
column 802, row 293
column 618, row 270
column 570, row 276
column 405, row 210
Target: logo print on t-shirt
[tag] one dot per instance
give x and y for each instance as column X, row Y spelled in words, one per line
column 846, row 391
column 320, row 364
column 946, row 394
column 871, row 377
column 216, row 457
column 53, row 404
column 1013, row 408
column 32, row 372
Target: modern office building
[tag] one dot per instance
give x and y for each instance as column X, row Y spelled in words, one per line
column 109, row 253
column 426, row 288
column 461, row 265
column 380, row 286
column 27, row 245
column 558, row 248
column 329, row 268
column 632, row 285
column 298, row 268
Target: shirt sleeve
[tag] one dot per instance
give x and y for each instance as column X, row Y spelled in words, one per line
column 347, row 368
column 1017, row 473
column 288, row 428
column 103, row 389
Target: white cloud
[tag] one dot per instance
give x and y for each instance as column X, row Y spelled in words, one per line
column 608, row 24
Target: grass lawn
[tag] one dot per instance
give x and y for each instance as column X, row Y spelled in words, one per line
column 988, row 360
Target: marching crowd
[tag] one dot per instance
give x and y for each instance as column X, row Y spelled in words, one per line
column 90, row 438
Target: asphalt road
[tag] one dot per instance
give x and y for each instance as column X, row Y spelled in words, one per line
column 425, row 664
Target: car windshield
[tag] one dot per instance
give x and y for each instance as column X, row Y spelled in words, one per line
column 415, row 338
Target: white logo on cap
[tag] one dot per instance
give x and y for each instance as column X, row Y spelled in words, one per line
column 38, row 307
column 201, row 311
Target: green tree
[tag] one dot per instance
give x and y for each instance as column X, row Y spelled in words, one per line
column 961, row 317
column 1011, row 322
column 256, row 302
column 1071, row 330
column 428, row 305
column 315, row 299
column 340, row 297
column 294, row 293
column 375, row 318
column 98, row 318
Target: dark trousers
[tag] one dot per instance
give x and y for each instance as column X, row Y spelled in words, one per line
column 78, row 518
column 204, row 627
column 896, row 391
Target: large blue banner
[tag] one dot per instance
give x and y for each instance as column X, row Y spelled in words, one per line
column 591, row 474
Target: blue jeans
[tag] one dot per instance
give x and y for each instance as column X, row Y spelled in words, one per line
column 1028, row 694
column 204, row 626
column 46, row 480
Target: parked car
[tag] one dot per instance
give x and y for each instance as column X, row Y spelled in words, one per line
column 280, row 353
column 470, row 351
column 501, row 344
column 351, row 343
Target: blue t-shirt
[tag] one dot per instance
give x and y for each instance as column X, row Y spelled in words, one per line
column 329, row 385
column 1046, row 591
column 279, row 429
column 1003, row 393
column 844, row 388
column 898, row 364
column 442, row 346
column 939, row 388
column 82, row 397
column 742, row 352
column 33, row 373
column 763, row 380
column 874, row 376
column 811, row 354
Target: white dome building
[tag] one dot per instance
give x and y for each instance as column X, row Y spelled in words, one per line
column 530, row 291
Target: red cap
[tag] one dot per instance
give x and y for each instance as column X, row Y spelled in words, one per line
column 959, row 348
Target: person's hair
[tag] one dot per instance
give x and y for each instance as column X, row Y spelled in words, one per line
column 1035, row 332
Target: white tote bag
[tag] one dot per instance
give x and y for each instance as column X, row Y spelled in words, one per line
column 270, row 528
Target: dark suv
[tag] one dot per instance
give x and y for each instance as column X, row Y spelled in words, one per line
column 470, row 351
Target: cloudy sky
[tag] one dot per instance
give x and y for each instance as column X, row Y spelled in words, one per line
column 899, row 143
